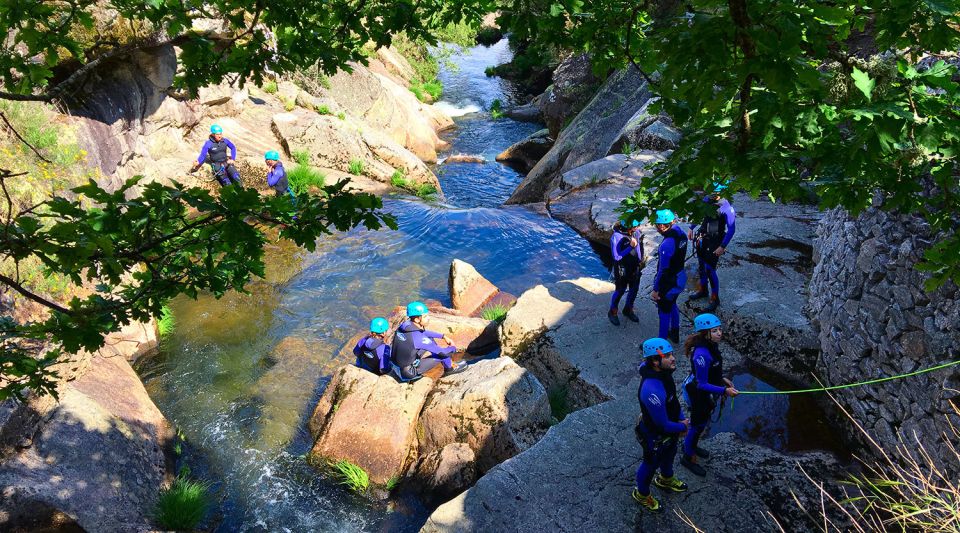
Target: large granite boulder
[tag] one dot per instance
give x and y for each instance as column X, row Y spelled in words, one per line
column 368, row 420
column 573, row 85
column 523, row 155
column 647, row 131
column 496, row 407
column 444, row 473
column 469, row 291
column 590, row 136
column 335, row 143
column 390, row 108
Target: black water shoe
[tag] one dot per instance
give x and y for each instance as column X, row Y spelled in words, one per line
column 701, row 453
column 456, row 369
column 631, row 315
column 614, row 319
column 714, row 304
column 694, row 468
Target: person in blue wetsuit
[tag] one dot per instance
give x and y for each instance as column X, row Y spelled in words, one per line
column 277, row 175
column 415, row 350
column 214, row 152
column 372, row 353
column 711, row 239
column 703, row 386
column 671, row 277
column 660, row 424
column 627, row 258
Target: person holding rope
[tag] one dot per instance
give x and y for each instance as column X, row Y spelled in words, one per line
column 671, row 276
column 660, row 425
column 703, row 386
column 627, row 258
column 214, row 152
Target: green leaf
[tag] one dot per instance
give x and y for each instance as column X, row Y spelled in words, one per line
column 863, row 82
column 556, row 9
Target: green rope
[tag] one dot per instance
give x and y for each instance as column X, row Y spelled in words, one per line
column 850, row 385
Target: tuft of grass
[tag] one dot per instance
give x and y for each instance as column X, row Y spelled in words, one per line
column 323, row 109
column 166, row 323
column 496, row 109
column 302, row 157
column 183, row 505
column 425, row 191
column 289, row 104
column 417, row 91
column 628, row 149
column 341, row 115
column 490, row 71
column 559, row 398
column 351, row 475
column 356, row 167
column 302, row 177
column 496, row 312
column 270, row 87
column 324, row 81
column 399, row 180
column 392, row 483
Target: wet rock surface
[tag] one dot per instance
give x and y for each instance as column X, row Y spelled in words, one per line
column 524, row 154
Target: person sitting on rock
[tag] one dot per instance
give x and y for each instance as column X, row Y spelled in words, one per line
column 627, row 258
column 277, row 175
column 710, row 241
column 703, row 386
column 671, row 277
column 415, row 351
column 660, row 425
column 214, row 152
column 372, row 353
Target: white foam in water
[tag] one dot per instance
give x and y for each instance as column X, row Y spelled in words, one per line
column 457, row 110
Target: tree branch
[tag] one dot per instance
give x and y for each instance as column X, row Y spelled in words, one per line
column 12, row 283
column 741, row 20
column 24, row 141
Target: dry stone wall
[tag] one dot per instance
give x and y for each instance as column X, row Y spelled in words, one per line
column 875, row 319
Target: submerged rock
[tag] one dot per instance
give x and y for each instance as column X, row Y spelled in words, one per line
column 523, row 155
column 525, row 113
column 464, row 158
column 368, row 420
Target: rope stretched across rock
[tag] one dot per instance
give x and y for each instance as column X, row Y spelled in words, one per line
column 859, row 383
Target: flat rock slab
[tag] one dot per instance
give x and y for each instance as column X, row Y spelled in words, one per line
column 368, row 420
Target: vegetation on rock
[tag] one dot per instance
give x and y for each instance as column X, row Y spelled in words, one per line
column 496, row 312
column 183, row 505
column 351, row 475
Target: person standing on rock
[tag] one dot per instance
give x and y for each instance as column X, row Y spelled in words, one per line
column 660, row 425
column 671, row 277
column 710, row 240
column 627, row 258
column 415, row 351
column 372, row 353
column 214, row 152
column 703, row 386
column 277, row 175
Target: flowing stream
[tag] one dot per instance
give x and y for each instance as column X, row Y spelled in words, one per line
column 239, row 376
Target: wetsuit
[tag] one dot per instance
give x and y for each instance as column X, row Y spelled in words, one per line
column 373, row 355
column 215, row 153
column 703, row 387
column 626, row 267
column 277, row 179
column 414, row 351
column 659, row 425
column 714, row 232
column 671, row 279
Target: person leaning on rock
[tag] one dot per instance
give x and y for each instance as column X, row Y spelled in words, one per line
column 671, row 276
column 627, row 258
column 415, row 351
column 703, row 386
column 372, row 352
column 214, row 152
column 660, row 425
column 710, row 240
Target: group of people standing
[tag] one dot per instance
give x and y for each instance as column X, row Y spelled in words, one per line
column 221, row 154
column 412, row 352
column 662, row 426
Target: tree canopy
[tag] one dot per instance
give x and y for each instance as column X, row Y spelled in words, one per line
column 837, row 99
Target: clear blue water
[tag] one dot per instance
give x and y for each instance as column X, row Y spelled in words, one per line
column 242, row 402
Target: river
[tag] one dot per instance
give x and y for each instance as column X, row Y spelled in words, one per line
column 241, row 404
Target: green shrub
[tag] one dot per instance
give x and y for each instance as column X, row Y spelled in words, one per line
column 434, row 89
column 341, row 115
column 301, row 156
column 627, row 149
column 166, row 323
column 490, row 71
column 495, row 312
column 425, row 190
column 270, row 87
column 302, row 177
column 392, row 483
column 351, row 475
column 398, row 179
column 182, row 506
column 356, row 167
column 489, row 36
column 461, row 34
column 496, row 109
column 289, row 105
column 324, row 81
column 417, row 91
column 323, row 109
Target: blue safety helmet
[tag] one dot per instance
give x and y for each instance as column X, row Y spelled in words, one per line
column 379, row 325
column 705, row 321
column 665, row 216
column 656, row 346
column 216, row 129
column 272, row 155
column 719, row 187
column 416, row 309
column 628, row 220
